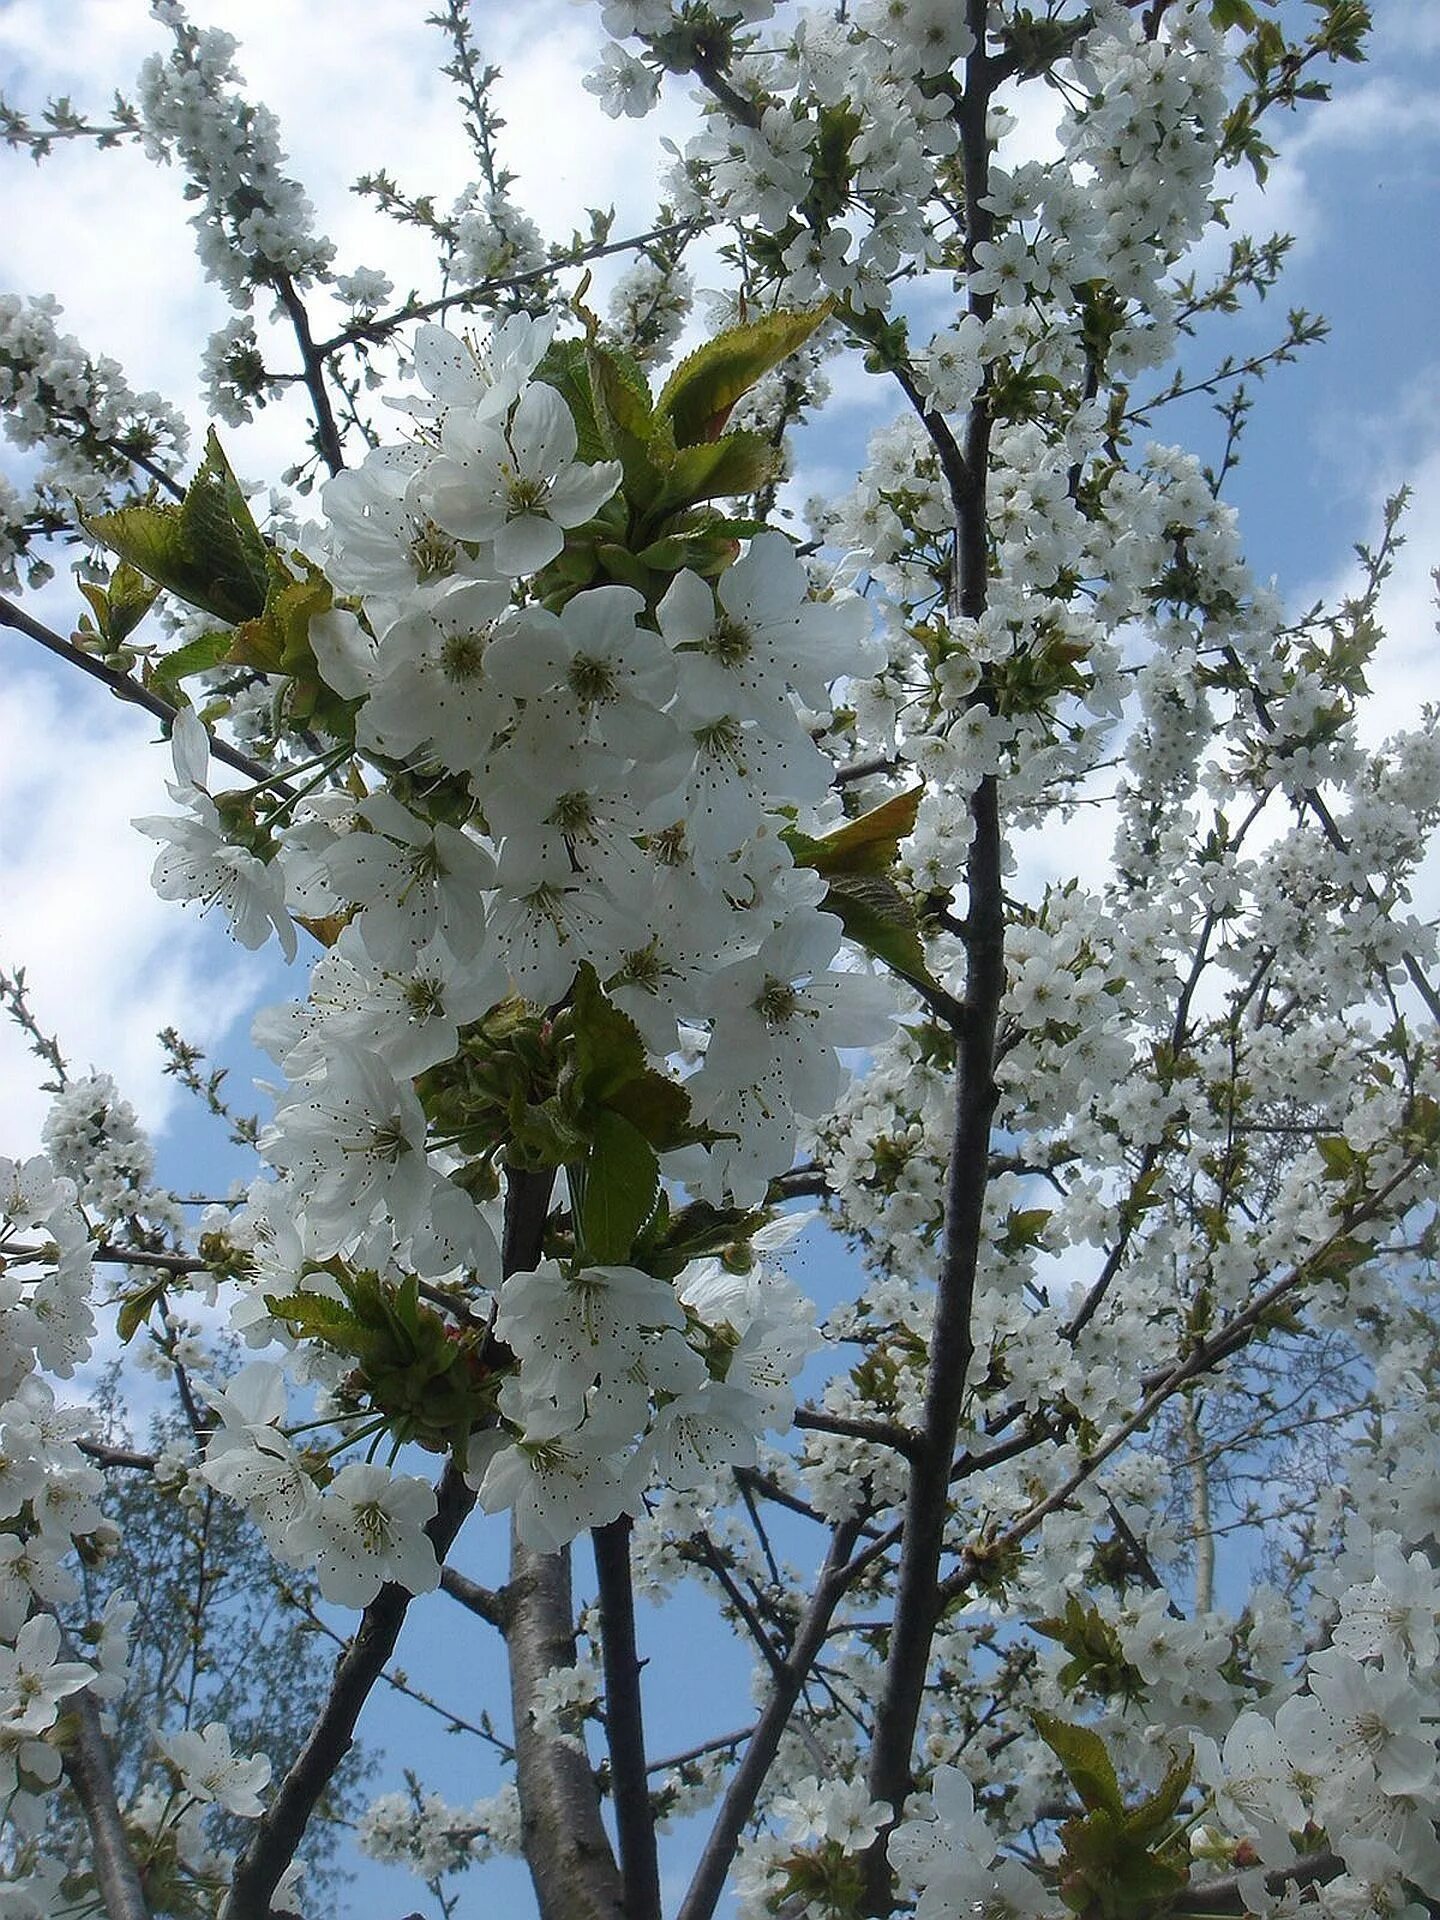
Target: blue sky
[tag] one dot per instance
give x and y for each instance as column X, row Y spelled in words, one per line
column 1359, row 187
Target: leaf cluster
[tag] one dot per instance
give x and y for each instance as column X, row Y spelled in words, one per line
column 1118, row 1862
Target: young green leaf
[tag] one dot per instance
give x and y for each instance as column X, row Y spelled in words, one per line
column 701, row 393
column 207, row 550
column 617, row 1191
column 1081, row 1752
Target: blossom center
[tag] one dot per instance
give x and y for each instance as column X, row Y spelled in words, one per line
column 462, row 656
column 525, row 493
column 574, row 815
column 777, row 1002
column 432, row 552
column 591, row 680
column 728, row 643
column 721, row 739
column 423, row 998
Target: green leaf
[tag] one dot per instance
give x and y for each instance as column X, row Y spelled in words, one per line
column 1232, row 13
column 121, row 602
column 1097, row 1660
column 706, row 551
column 737, row 464
column 1024, row 1227
column 870, row 844
column 196, row 656
column 618, row 1186
column 627, row 568
column 697, row 1229
column 565, row 368
column 627, row 425
column 136, row 1309
column 856, row 859
column 608, row 1048
column 1106, row 1875
column 659, row 1108
column 701, row 393
column 277, row 642
column 207, row 550
column 876, row 916
column 1081, row 1752
column 620, row 392
column 322, row 1318
column 1147, row 1821
column 1339, row 1157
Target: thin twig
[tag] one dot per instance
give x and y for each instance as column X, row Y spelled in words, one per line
column 124, row 688
column 749, row 1777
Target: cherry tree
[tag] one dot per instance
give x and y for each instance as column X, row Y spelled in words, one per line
column 659, row 872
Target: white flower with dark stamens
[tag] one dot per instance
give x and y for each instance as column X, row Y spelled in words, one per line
column 559, row 1475
column 200, row 863
column 701, row 1431
column 431, row 689
column 595, row 665
column 369, row 1529
column 571, row 1328
column 411, row 882
column 410, row 1017
column 211, row 1772
column 381, row 541
column 483, row 375
column 33, row 1682
column 519, row 486
column 355, row 1144
column 759, row 633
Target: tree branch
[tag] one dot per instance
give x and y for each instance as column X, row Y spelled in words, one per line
column 282, row 1827
column 87, row 1763
column 278, row 1833
column 124, row 688
column 1224, row 1896
column 104, row 1456
column 564, row 1840
column 481, row 1601
column 917, row 1605
column 624, row 1722
column 312, row 359
column 380, row 330
column 878, row 1433
column 1161, row 1386
column 565, row 1844
column 744, row 1789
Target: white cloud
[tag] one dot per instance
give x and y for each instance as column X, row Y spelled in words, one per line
column 108, row 964
column 1402, row 672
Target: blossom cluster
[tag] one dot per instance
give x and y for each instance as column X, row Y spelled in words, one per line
column 48, row 1489
column 256, row 222
column 625, row 769
column 79, row 414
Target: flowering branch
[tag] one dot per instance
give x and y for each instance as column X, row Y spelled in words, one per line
column 380, row 329
column 327, row 434
column 951, row 1343
column 279, row 1831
